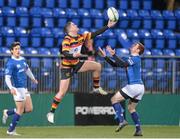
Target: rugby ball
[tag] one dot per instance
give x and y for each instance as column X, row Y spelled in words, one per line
column 112, row 14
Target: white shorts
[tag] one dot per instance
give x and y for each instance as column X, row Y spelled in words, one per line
column 135, row 91
column 21, row 94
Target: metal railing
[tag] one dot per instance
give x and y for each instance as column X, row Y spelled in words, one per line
column 161, row 74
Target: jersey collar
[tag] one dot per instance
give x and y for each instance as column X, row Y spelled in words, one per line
column 20, row 58
column 135, row 54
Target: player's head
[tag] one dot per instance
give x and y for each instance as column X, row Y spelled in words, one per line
column 15, row 49
column 137, row 48
column 70, row 27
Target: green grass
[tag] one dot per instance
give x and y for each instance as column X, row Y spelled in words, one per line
column 93, row 132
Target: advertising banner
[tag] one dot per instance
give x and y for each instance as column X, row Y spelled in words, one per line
column 93, row 109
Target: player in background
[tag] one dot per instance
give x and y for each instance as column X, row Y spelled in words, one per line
column 71, row 64
column 134, row 90
column 16, row 73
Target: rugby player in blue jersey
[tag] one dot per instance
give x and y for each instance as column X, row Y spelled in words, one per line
column 16, row 73
column 134, row 90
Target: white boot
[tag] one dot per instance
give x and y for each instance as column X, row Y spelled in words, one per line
column 5, row 116
column 50, row 117
column 100, row 90
column 13, row 133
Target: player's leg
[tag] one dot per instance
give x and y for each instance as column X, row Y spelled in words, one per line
column 96, row 68
column 7, row 113
column 63, row 87
column 19, row 99
column 115, row 100
column 16, row 118
column 135, row 92
column 66, row 74
column 28, row 104
column 134, row 115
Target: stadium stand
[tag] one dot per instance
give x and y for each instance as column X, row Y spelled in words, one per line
column 22, row 35
column 134, row 18
column 123, row 4
column 74, row 84
column 50, row 3
column 40, row 14
column 145, row 18
column 38, row 25
column 169, row 18
column 10, row 19
column 178, row 52
column 22, row 16
column 111, row 3
column 62, row 3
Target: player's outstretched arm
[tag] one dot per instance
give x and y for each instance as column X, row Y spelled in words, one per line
column 110, row 50
column 103, row 29
column 119, row 62
column 103, row 54
column 111, row 23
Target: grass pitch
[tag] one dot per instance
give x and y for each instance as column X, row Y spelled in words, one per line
column 92, row 132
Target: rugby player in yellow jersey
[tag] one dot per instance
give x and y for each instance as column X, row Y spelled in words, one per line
column 71, row 49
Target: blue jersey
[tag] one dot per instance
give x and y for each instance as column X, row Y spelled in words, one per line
column 16, row 68
column 134, row 70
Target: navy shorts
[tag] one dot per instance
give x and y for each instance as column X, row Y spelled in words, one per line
column 69, row 72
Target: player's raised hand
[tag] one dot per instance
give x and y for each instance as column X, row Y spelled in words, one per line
column 76, row 54
column 111, row 23
column 110, row 50
column 102, row 52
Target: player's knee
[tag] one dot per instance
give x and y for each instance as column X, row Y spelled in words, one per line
column 131, row 109
column 113, row 100
column 29, row 109
column 98, row 67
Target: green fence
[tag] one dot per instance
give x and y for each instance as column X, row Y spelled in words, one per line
column 42, row 103
column 159, row 110
column 153, row 109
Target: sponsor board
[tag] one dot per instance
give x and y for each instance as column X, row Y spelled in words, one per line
column 94, row 109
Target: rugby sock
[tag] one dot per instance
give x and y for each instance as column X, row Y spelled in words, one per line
column 55, row 104
column 136, row 120
column 119, row 112
column 15, row 120
column 96, row 82
column 11, row 112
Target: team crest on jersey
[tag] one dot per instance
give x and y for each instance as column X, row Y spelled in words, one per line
column 76, row 50
column 130, row 61
column 18, row 65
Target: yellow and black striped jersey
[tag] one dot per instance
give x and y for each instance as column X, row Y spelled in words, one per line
column 73, row 45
